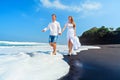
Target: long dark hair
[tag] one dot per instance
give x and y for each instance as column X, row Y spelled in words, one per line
column 72, row 21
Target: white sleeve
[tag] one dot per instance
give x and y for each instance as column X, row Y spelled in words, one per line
column 59, row 28
column 47, row 28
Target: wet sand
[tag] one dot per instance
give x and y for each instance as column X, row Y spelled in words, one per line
column 99, row 64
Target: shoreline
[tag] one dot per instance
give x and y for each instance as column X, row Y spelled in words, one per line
column 95, row 64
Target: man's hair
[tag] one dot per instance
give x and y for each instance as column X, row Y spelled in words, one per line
column 54, row 15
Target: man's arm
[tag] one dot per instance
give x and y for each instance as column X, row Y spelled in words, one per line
column 47, row 28
column 59, row 29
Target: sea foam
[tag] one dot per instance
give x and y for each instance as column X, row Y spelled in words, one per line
column 23, row 62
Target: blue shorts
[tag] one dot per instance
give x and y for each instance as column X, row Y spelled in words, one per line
column 53, row 39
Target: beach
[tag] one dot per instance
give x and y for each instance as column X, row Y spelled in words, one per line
column 95, row 64
column 32, row 61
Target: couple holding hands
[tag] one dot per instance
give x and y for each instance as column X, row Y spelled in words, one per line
column 55, row 30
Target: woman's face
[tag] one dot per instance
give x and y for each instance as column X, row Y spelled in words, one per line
column 69, row 19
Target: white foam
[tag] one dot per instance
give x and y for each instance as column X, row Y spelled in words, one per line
column 10, row 42
column 16, row 63
column 40, row 67
column 34, row 62
column 64, row 50
column 90, row 47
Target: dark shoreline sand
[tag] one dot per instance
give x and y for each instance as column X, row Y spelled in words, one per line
column 97, row 64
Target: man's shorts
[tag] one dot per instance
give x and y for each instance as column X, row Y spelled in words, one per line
column 53, row 39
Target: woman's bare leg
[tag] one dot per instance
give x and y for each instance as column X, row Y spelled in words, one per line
column 70, row 45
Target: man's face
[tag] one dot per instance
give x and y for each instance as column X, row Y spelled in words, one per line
column 53, row 17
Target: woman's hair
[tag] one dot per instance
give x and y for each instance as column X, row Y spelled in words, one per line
column 72, row 20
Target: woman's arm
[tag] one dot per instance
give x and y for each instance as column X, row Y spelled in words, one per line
column 63, row 28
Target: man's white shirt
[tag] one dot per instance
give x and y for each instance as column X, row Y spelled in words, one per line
column 54, row 28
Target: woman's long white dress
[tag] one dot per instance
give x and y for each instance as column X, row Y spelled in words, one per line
column 70, row 36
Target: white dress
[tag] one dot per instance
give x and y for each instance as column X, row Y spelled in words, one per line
column 70, row 36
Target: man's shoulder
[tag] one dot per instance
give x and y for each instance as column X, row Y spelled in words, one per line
column 57, row 22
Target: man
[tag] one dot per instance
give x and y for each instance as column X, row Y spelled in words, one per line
column 55, row 30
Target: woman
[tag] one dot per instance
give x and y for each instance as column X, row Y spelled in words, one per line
column 73, row 42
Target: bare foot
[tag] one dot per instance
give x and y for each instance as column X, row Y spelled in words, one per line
column 52, row 53
column 69, row 54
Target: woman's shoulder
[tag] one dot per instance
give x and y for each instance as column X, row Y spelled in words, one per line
column 66, row 24
column 74, row 23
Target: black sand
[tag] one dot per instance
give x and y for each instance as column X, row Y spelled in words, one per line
column 99, row 64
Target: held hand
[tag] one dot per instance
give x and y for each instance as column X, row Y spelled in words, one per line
column 60, row 33
column 75, row 34
column 43, row 30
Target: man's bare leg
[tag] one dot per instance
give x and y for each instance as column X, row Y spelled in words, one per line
column 54, row 48
column 53, row 45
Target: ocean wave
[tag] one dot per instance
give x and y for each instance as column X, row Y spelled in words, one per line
column 33, row 62
column 10, row 43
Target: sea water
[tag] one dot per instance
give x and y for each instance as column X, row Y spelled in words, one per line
column 32, row 61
